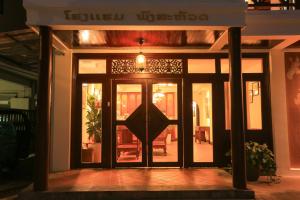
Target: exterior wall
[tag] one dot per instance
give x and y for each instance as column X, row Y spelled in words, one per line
column 279, row 113
column 61, row 118
column 18, row 95
column 11, row 87
column 61, row 125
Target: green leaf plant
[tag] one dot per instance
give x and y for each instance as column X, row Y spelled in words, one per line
column 259, row 155
column 94, row 119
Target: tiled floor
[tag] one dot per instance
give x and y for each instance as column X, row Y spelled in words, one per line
column 203, row 152
column 157, row 179
column 140, row 179
column 285, row 188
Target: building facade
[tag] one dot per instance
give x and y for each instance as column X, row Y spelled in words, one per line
column 155, row 85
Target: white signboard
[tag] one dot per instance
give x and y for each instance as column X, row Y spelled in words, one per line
column 135, row 12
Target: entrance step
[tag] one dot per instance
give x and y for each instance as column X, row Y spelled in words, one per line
column 136, row 195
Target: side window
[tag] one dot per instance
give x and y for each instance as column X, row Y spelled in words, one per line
column 253, row 105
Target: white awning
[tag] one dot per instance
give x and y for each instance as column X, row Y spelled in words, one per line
column 82, row 14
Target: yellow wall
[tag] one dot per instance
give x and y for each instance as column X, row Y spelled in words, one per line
column 61, row 119
column 279, row 114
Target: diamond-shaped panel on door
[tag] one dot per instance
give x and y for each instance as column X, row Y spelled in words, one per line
column 157, row 121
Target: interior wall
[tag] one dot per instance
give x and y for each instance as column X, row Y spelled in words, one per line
column 279, row 113
column 61, row 120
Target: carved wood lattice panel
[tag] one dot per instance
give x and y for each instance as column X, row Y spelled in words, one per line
column 153, row 66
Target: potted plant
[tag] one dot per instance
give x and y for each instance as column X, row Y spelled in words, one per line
column 259, row 161
column 94, row 126
column 94, row 119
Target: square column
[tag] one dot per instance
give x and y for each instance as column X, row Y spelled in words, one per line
column 42, row 140
column 237, row 115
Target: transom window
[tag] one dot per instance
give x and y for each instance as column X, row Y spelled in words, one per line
column 153, row 66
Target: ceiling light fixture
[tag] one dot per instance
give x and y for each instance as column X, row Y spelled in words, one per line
column 157, row 95
column 140, row 59
column 84, row 36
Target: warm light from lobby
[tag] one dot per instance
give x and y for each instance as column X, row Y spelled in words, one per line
column 84, row 35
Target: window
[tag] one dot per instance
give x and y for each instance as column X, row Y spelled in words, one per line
column 249, row 65
column 253, row 105
column 90, row 66
column 202, row 122
column 201, row 66
column 227, row 105
column 91, row 136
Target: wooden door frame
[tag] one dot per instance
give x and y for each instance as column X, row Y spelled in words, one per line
column 147, row 94
column 217, row 77
column 114, row 122
column 209, row 79
column 77, row 126
column 178, row 122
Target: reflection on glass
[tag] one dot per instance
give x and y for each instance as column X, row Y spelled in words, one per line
column 128, row 99
column 129, row 147
column 91, row 136
column 253, row 103
column 164, row 97
column 202, row 122
column 201, row 66
column 249, row 65
column 92, row 66
column 227, row 105
column 165, row 145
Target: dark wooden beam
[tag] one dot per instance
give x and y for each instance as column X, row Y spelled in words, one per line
column 23, row 43
column 297, row 4
column 31, row 43
column 9, row 61
column 237, row 122
column 9, row 76
column 44, row 111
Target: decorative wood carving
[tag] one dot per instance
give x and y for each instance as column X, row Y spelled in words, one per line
column 153, row 66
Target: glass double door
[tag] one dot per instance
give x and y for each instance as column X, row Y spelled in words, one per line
column 146, row 123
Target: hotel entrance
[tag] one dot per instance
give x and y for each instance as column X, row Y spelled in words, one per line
column 121, row 113
column 175, row 112
column 147, row 122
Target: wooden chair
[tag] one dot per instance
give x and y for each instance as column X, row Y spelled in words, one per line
column 161, row 142
column 202, row 133
column 126, row 143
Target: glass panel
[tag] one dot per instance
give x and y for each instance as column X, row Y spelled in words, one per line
column 129, row 147
column 202, row 122
column 253, row 103
column 249, row 65
column 128, row 99
column 227, row 105
column 201, row 66
column 89, row 66
column 91, row 123
column 165, row 145
column 225, row 66
column 164, row 97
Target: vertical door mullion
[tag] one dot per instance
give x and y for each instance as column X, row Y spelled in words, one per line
column 124, row 122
